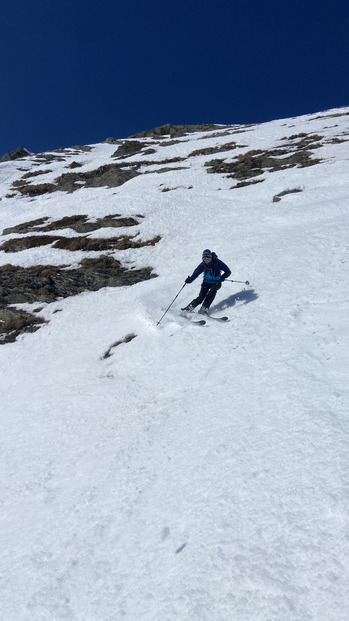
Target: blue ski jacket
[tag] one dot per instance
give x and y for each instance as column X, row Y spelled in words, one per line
column 212, row 271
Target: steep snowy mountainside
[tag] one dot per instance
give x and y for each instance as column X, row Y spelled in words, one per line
column 170, row 472
column 238, row 156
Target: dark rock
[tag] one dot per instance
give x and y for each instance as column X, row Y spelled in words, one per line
column 127, row 148
column 255, row 163
column 77, row 223
column 33, row 173
column 18, row 244
column 175, row 131
column 35, row 190
column 244, row 184
column 14, row 322
column 277, row 197
column 74, row 165
column 25, row 227
column 87, row 244
column 229, row 146
column 46, row 283
column 16, row 154
column 109, row 175
column 82, row 147
column 127, row 339
column 50, row 157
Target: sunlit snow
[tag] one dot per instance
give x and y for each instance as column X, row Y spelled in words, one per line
column 197, row 473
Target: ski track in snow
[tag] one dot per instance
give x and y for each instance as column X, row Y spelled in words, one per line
column 199, row 473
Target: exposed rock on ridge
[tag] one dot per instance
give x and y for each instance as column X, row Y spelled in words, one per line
column 109, row 175
column 15, row 155
column 175, row 131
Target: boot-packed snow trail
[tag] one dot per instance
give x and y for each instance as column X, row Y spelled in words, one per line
column 191, row 474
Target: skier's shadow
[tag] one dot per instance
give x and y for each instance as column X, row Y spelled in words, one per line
column 242, row 297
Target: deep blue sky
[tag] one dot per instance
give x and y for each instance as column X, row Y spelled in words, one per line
column 78, row 71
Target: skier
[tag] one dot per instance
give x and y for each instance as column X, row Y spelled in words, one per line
column 212, row 268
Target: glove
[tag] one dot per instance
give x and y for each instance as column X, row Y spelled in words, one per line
column 222, row 279
column 188, row 280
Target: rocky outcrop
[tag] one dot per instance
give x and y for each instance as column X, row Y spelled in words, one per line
column 87, row 244
column 129, row 147
column 15, row 322
column 74, row 165
column 175, row 131
column 255, row 163
column 79, row 224
column 229, row 146
column 46, row 283
column 111, row 140
column 109, row 175
column 15, row 155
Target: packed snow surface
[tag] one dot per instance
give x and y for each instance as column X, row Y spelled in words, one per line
column 197, row 473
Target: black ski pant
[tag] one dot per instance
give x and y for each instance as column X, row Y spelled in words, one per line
column 207, row 294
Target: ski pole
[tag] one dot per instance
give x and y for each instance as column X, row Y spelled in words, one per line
column 244, row 282
column 171, row 304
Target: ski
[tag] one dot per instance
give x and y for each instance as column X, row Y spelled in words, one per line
column 214, row 318
column 200, row 322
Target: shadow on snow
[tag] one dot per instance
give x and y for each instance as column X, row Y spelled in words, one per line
column 243, row 297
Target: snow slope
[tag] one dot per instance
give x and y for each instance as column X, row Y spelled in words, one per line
column 198, row 473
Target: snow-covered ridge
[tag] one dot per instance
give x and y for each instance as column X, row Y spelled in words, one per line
column 177, row 471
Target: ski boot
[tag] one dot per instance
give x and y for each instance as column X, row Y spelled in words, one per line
column 188, row 309
column 203, row 310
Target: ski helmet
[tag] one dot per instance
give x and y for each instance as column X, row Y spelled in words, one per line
column 207, row 254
